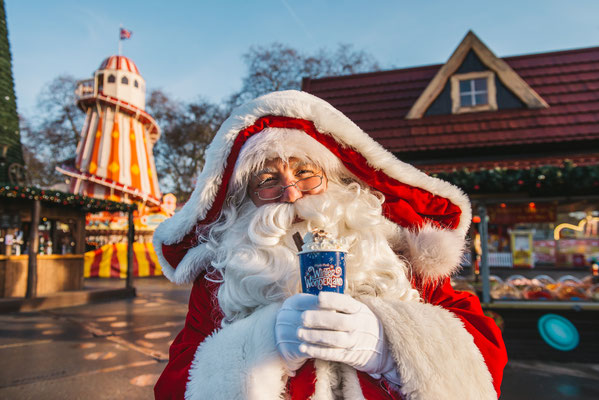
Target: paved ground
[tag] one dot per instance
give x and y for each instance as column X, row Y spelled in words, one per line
column 117, row 350
column 113, row 350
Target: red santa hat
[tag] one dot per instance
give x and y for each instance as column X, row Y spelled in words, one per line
column 292, row 123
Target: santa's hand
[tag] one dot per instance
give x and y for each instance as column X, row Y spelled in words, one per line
column 344, row 330
column 289, row 320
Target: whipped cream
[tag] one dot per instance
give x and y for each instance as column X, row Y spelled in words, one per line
column 320, row 240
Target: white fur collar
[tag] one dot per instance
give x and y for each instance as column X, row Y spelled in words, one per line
column 240, row 361
column 435, row 355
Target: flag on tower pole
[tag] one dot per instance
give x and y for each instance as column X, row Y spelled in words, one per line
column 125, row 34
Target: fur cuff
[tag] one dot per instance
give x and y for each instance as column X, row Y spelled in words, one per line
column 240, row 361
column 434, row 253
column 435, row 355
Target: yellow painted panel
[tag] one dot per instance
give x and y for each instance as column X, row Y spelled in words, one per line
column 142, row 260
column 154, row 258
column 105, row 262
column 121, row 255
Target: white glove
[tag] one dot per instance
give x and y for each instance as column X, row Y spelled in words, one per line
column 289, row 320
column 344, row 330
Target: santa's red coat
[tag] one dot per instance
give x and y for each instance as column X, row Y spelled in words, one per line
column 204, row 318
column 428, row 209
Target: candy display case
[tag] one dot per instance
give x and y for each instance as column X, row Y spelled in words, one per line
column 543, row 316
column 537, row 292
column 501, row 290
column 547, row 318
column 542, row 288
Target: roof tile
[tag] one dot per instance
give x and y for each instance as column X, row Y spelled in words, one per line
column 577, row 159
column 379, row 101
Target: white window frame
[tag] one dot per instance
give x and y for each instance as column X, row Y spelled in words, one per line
column 457, row 107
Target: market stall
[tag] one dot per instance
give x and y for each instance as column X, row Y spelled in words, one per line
column 42, row 239
column 534, row 266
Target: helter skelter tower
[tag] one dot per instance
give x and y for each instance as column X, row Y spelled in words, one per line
column 114, row 159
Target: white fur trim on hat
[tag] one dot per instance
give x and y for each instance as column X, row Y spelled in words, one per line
column 283, row 143
column 432, row 252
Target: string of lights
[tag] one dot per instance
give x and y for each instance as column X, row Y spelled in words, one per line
column 62, row 198
column 566, row 179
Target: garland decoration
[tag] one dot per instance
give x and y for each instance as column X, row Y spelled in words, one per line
column 66, row 199
column 548, row 180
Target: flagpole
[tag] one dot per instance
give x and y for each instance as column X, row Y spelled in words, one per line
column 120, row 40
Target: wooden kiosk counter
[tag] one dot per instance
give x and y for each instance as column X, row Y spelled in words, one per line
column 55, row 273
column 51, row 226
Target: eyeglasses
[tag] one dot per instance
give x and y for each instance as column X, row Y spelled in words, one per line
column 275, row 191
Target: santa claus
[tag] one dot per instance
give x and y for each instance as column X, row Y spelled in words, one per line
column 289, row 162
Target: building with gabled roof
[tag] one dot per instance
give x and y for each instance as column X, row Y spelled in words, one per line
column 534, row 109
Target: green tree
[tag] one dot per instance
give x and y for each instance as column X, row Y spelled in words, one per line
column 11, row 154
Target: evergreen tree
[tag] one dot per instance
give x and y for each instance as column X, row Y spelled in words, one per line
column 10, row 139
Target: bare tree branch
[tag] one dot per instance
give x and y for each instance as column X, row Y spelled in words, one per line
column 280, row 67
column 187, row 129
column 52, row 136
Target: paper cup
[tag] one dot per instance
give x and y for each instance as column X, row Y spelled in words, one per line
column 322, row 271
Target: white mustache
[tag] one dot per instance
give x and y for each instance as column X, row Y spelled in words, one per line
column 270, row 222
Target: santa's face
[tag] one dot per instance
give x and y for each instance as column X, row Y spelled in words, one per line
column 286, row 182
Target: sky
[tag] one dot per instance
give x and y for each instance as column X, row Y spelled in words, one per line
column 193, row 48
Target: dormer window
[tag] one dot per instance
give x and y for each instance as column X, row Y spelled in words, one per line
column 473, row 91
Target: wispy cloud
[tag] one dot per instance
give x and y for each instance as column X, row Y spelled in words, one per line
column 297, row 19
column 96, row 23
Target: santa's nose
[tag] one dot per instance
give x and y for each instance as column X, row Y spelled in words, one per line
column 291, row 194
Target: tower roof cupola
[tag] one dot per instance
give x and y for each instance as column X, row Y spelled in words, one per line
column 120, row 63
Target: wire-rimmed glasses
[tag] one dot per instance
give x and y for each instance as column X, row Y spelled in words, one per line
column 273, row 192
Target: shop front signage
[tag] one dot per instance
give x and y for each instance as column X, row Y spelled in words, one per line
column 510, row 214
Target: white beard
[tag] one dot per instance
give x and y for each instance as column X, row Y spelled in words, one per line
column 256, row 257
